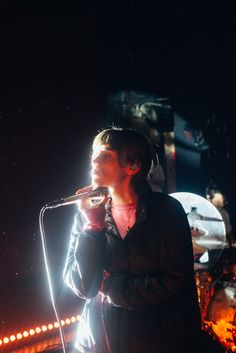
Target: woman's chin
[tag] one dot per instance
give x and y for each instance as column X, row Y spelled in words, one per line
column 96, row 183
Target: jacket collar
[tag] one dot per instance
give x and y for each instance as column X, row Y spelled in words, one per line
column 143, row 208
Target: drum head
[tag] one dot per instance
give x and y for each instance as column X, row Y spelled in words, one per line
column 207, row 229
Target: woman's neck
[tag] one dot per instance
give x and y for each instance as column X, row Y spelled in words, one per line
column 123, row 196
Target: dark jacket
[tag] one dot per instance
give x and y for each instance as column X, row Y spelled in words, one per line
column 149, row 303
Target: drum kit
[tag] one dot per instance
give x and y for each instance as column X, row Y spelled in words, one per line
column 215, row 269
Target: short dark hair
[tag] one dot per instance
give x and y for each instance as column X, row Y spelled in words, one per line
column 213, row 189
column 132, row 147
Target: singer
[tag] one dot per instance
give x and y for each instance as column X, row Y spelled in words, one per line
column 130, row 257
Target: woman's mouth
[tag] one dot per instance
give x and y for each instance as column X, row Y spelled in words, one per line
column 95, row 172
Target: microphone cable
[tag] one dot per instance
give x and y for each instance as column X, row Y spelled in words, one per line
column 51, row 291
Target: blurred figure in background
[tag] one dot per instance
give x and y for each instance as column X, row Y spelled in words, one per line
column 217, row 198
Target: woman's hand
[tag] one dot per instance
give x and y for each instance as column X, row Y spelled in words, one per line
column 93, row 208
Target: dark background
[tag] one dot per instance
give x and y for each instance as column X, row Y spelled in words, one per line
column 56, row 71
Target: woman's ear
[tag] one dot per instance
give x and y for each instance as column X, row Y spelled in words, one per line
column 133, row 168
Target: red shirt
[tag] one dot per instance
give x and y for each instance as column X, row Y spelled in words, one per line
column 124, row 217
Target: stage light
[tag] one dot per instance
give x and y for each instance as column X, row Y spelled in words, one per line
column 31, row 332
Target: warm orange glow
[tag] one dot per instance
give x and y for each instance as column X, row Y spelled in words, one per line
column 224, row 332
column 31, row 332
column 42, row 329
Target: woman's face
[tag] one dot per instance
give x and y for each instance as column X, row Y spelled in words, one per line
column 106, row 170
column 218, row 200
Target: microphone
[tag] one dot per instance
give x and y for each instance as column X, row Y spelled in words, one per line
column 96, row 193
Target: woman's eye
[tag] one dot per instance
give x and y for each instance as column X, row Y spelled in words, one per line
column 106, row 157
column 102, row 157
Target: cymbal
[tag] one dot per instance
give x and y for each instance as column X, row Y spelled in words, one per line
column 207, row 228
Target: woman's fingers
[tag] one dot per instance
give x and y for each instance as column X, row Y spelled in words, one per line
column 84, row 190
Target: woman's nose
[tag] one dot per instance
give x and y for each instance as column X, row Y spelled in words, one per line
column 95, row 160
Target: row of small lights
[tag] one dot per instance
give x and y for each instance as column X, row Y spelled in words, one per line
column 37, row 330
